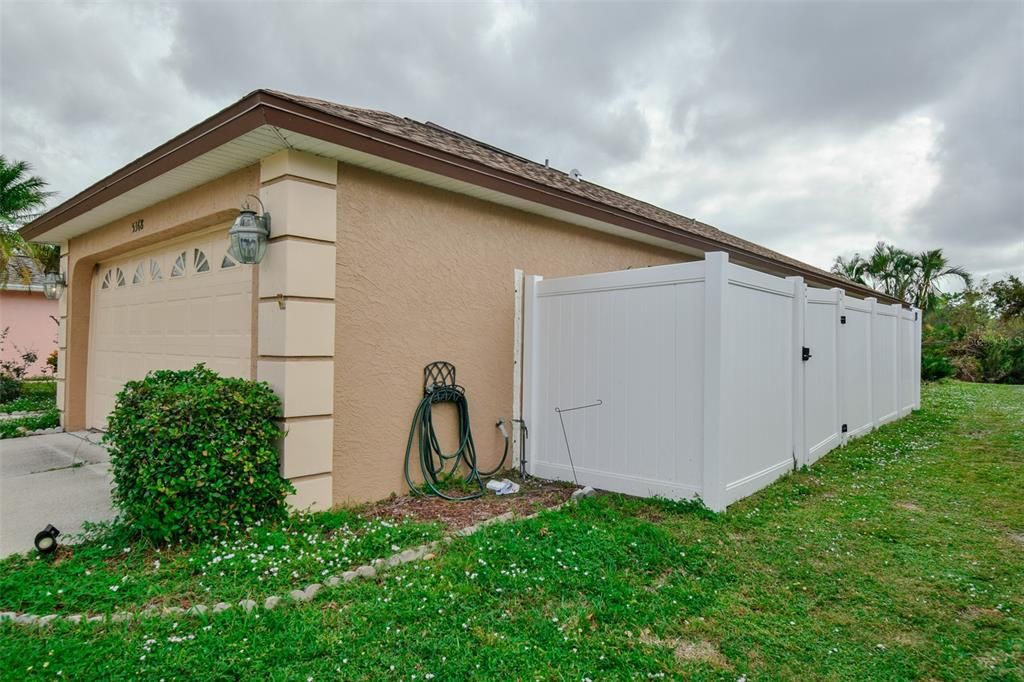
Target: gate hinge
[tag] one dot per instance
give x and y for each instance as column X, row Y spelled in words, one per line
column 806, row 355
column 842, row 319
column 844, row 428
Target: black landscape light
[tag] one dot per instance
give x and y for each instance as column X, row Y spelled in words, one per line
column 46, row 539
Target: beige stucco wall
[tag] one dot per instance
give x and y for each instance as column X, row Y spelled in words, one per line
column 426, row 275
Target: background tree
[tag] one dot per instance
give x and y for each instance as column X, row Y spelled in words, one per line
column 1007, row 297
column 933, row 267
column 974, row 334
column 901, row 274
column 854, row 268
column 22, row 196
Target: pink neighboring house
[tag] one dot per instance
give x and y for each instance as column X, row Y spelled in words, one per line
column 28, row 316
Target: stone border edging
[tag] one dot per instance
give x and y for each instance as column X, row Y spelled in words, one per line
column 366, row 571
column 4, row 416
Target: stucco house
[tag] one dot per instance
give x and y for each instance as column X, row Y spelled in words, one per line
column 27, row 318
column 392, row 244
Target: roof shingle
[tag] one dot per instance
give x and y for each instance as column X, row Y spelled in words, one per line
column 457, row 144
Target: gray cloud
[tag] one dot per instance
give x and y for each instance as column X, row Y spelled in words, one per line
column 981, row 195
column 812, row 128
column 545, row 81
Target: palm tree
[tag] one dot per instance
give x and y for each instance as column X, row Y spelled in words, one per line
column 933, row 266
column 893, row 270
column 854, row 268
column 901, row 274
column 22, row 195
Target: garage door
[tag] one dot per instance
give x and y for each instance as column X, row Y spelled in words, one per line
column 168, row 308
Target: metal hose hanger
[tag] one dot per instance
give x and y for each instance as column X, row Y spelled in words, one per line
column 438, row 466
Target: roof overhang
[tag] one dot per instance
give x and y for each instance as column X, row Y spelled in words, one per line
column 262, row 123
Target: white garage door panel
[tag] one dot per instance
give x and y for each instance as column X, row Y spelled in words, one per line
column 168, row 308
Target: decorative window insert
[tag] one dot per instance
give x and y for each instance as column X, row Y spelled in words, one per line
column 107, row 280
column 154, row 270
column 120, row 278
column 140, row 275
column 228, row 262
column 199, row 261
column 178, row 269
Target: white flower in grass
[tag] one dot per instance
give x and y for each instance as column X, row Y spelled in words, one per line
column 114, row 588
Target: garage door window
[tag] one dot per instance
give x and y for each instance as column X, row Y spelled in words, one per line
column 199, row 261
column 120, row 278
column 154, row 270
column 228, row 262
column 140, row 275
column 178, row 269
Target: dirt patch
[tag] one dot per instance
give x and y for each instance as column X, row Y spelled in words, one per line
column 909, row 506
column 534, row 495
column 977, row 612
column 908, row 639
column 688, row 650
column 660, row 582
column 1017, row 537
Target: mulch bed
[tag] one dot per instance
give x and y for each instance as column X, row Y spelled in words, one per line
column 534, row 495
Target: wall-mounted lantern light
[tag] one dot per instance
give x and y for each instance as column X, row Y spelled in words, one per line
column 249, row 234
column 46, row 539
column 53, row 285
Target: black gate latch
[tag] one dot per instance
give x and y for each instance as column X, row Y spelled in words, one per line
column 806, row 354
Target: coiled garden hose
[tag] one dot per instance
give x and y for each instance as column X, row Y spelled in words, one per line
column 435, row 464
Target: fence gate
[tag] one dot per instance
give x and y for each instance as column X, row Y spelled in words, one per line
column 822, row 328
column 855, row 366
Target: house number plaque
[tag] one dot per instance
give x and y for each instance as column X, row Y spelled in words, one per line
column 137, row 226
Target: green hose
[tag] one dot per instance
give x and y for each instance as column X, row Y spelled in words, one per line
column 435, row 464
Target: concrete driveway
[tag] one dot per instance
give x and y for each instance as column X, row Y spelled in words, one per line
column 60, row 478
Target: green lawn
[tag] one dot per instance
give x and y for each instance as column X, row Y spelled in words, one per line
column 112, row 572
column 899, row 557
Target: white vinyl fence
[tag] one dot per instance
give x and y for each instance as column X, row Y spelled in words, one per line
column 689, row 380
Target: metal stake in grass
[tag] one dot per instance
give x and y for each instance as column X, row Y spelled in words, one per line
column 566, row 436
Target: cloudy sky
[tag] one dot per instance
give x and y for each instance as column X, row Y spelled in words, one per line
column 816, row 129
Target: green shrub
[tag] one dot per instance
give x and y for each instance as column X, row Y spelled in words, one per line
column 193, row 453
column 935, row 365
column 1001, row 360
column 10, row 388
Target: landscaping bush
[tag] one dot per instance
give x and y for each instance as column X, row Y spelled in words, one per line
column 935, row 365
column 193, row 453
column 1002, row 360
column 10, row 388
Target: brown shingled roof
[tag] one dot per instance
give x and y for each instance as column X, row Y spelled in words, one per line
column 438, row 150
column 437, row 137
